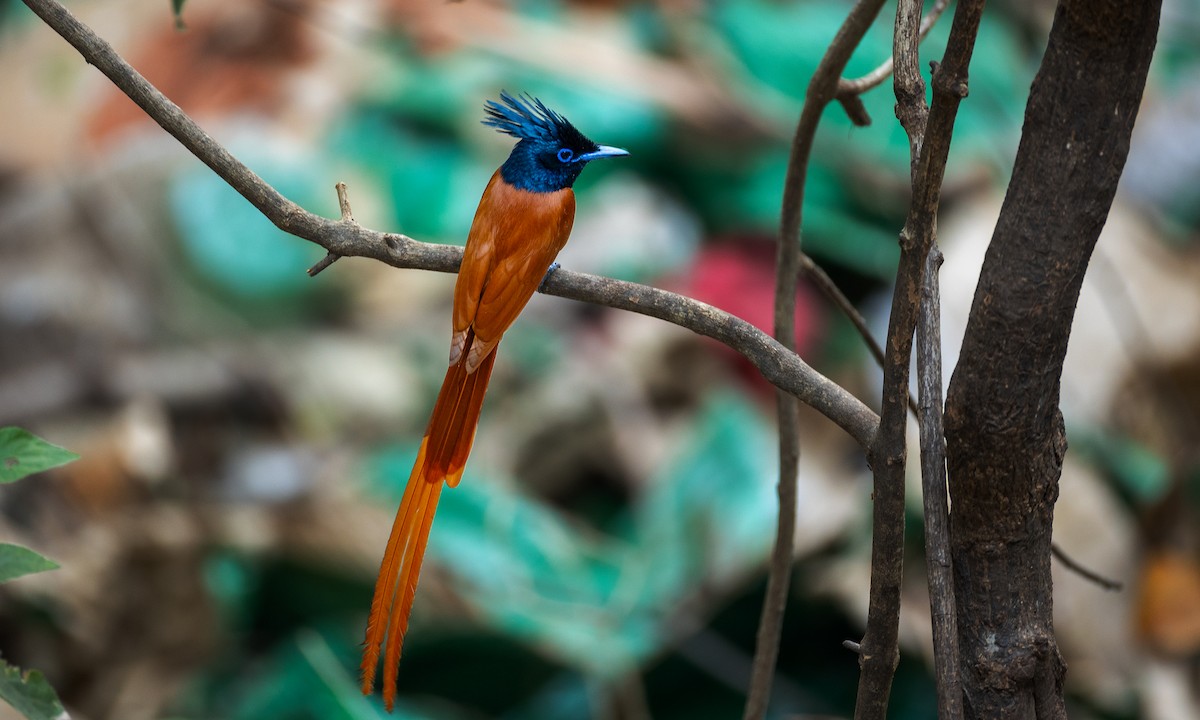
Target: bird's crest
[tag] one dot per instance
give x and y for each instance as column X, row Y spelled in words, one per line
column 528, row 118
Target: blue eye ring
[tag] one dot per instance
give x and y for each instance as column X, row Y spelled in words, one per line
column 565, row 155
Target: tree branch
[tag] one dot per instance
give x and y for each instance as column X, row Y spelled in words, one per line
column 347, row 217
column 834, row 294
column 821, row 89
column 847, row 92
column 778, row 365
column 935, row 496
column 929, row 141
column 910, row 94
column 1087, row 574
column 860, row 85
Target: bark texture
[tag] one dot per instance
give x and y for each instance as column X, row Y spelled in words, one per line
column 1003, row 427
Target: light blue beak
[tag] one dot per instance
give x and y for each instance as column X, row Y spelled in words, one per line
column 604, row 151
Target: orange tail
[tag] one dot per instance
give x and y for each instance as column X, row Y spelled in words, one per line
column 442, row 457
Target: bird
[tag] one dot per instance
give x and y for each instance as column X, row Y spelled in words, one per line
column 523, row 220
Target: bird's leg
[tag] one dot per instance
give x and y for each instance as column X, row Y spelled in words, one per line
column 550, row 271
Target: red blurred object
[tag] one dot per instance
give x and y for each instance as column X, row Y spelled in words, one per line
column 738, row 276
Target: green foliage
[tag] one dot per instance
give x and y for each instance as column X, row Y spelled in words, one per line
column 29, row 694
column 16, row 561
column 22, row 453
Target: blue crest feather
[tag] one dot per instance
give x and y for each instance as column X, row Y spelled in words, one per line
column 528, row 118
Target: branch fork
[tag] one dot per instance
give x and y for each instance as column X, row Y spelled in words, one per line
column 348, row 219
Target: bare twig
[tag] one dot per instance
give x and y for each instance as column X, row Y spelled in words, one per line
column 347, row 217
column 344, row 202
column 936, row 497
column 929, row 139
column 910, row 94
column 859, row 85
column 854, row 108
column 847, row 94
column 329, row 259
column 782, row 368
column 834, row 294
column 1083, row 572
column 820, row 93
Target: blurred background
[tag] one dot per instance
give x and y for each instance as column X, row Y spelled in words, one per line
column 246, row 431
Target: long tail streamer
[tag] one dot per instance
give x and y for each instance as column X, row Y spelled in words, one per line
column 441, row 459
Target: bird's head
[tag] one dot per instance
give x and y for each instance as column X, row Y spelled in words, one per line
column 551, row 152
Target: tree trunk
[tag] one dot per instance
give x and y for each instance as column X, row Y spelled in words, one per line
column 1004, row 431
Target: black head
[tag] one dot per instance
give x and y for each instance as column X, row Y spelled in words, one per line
column 551, row 152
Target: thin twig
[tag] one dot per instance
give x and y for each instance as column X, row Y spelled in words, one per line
column 936, row 497
column 910, row 94
column 347, row 217
column 329, row 259
column 1083, row 572
column 782, row 368
column 820, row 93
column 817, row 275
column 929, row 141
column 344, row 202
column 859, row 85
column 854, row 108
column 847, row 93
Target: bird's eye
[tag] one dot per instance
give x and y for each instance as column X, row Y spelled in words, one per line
column 565, row 155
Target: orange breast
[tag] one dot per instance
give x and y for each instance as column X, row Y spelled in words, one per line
column 515, row 237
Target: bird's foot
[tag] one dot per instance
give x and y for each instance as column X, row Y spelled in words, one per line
column 542, row 285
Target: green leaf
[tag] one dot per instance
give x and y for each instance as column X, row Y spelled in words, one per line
column 30, row 694
column 16, row 561
column 177, row 9
column 22, row 453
